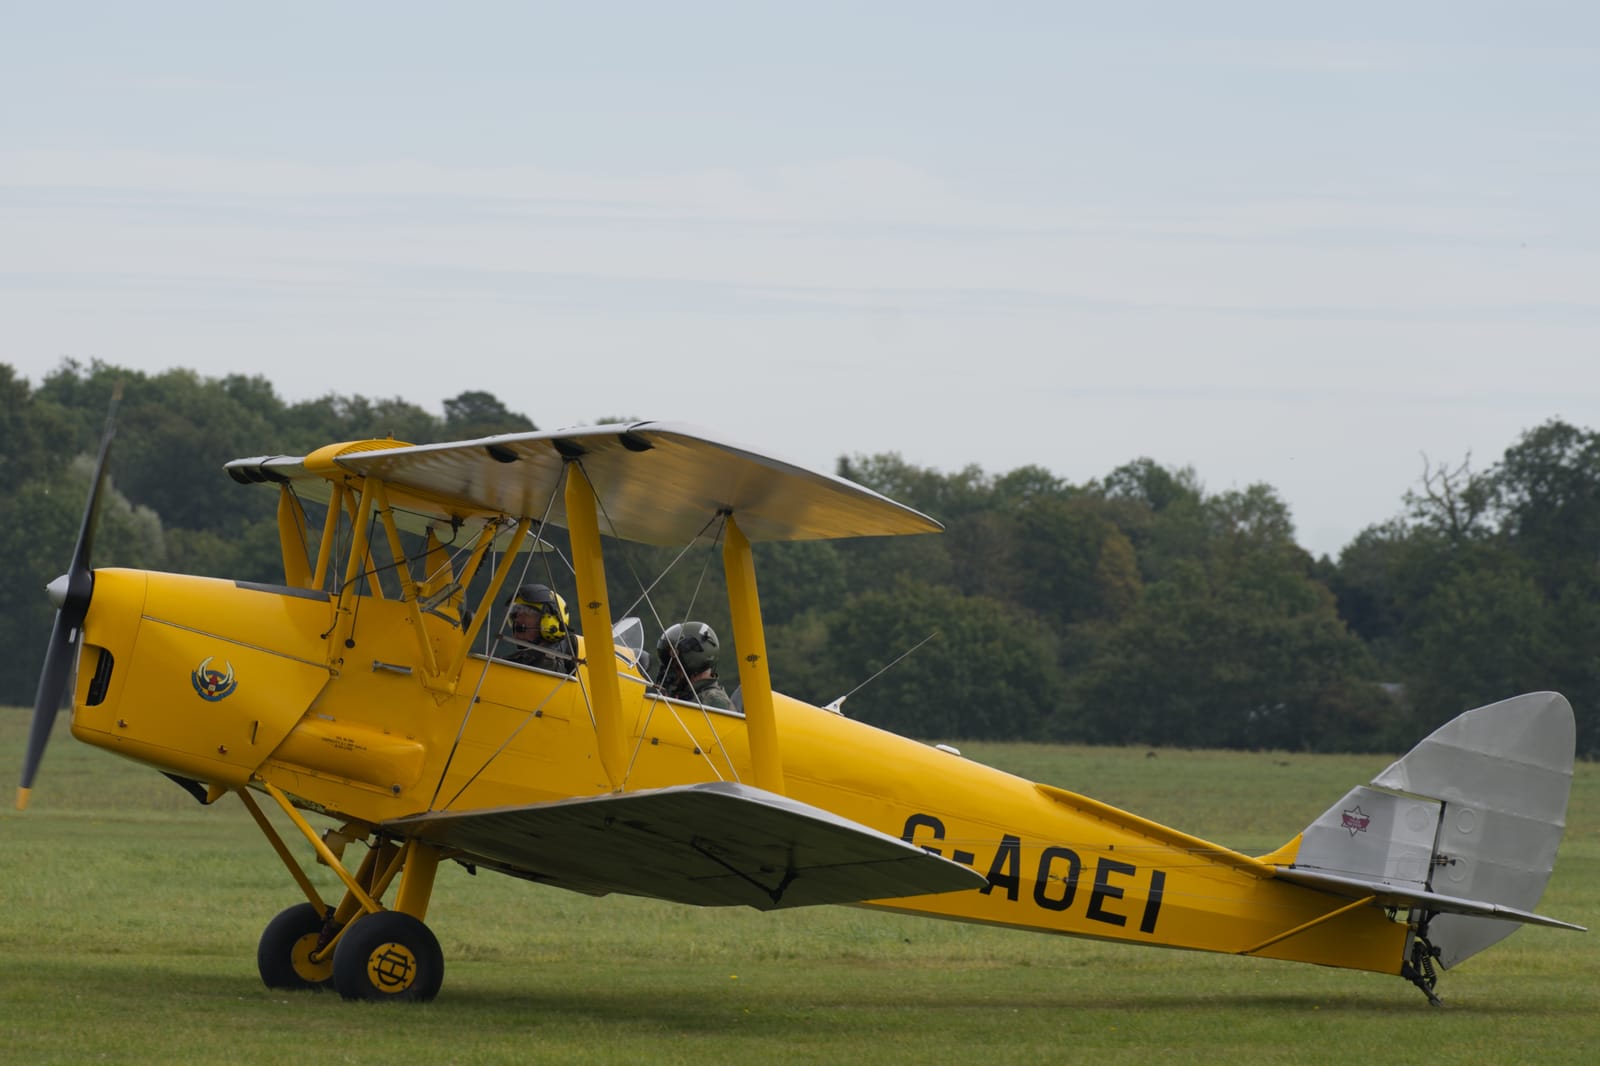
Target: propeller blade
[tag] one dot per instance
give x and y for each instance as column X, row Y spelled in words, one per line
column 52, row 688
column 74, row 590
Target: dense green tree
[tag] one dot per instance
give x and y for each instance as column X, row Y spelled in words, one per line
column 1546, row 495
column 333, row 418
column 1146, row 482
column 989, row 672
column 1478, row 637
column 479, row 414
column 1262, row 661
column 873, row 561
column 1137, row 607
column 1161, row 513
column 798, row 576
column 1255, row 519
column 1573, row 634
column 39, row 525
column 174, row 433
column 1368, row 583
column 1546, row 491
column 1117, row 585
column 1232, row 643
column 1452, row 504
column 36, row 435
column 1487, row 585
column 1076, row 561
column 945, row 495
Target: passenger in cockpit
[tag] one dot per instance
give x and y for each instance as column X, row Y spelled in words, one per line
column 539, row 626
column 688, row 654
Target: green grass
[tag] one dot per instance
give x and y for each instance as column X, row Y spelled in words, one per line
column 129, row 917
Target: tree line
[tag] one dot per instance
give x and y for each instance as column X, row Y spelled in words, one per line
column 1135, row 608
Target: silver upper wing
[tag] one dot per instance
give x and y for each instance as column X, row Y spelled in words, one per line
column 657, row 483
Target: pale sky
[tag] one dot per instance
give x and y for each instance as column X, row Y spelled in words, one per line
column 1297, row 244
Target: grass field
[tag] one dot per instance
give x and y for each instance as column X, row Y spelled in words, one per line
column 129, row 917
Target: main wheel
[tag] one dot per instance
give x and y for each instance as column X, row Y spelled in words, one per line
column 284, row 954
column 389, row 956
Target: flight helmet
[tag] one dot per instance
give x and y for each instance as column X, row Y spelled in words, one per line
column 550, row 608
column 692, row 644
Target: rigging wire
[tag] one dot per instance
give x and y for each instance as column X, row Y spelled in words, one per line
column 720, row 520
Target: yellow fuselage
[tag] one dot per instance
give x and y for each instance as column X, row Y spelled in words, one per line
column 233, row 684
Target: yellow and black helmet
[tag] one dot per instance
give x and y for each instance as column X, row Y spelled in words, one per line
column 551, row 608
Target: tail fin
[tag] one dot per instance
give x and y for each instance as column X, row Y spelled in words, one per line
column 1463, row 829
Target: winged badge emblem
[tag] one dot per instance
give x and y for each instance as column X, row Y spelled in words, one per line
column 213, row 685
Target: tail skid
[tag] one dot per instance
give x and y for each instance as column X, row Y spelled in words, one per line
column 1462, row 830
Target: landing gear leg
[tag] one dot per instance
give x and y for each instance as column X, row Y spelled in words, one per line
column 1418, row 969
column 363, row 950
column 392, row 955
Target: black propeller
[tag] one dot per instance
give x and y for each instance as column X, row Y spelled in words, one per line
column 70, row 592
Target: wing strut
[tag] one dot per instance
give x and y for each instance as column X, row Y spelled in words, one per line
column 754, row 676
column 594, row 607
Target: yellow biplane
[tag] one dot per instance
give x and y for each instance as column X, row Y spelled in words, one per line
column 368, row 689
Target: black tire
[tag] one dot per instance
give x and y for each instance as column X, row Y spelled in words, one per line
column 286, row 944
column 388, row 956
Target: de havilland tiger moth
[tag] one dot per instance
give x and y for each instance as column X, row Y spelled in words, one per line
column 364, row 691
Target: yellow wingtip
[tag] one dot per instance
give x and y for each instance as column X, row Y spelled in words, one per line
column 22, row 798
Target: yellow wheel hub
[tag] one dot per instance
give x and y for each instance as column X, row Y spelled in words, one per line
column 300, row 959
column 392, row 968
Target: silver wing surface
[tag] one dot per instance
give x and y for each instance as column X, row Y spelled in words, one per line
column 710, row 844
column 658, row 483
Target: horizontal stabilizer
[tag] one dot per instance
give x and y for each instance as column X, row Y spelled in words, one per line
column 1395, row 895
column 713, row 844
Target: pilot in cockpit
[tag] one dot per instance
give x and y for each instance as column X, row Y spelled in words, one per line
column 539, row 627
